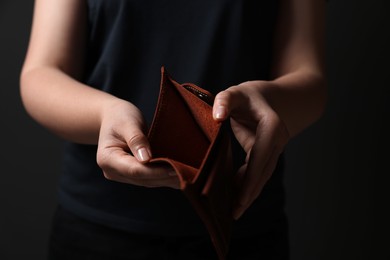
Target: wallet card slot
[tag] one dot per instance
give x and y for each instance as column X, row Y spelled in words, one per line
column 200, row 110
column 203, row 95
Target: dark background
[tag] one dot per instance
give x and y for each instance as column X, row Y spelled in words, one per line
column 337, row 183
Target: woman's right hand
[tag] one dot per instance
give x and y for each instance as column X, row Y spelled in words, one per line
column 124, row 150
column 75, row 111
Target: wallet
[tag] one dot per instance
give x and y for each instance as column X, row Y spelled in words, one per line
column 184, row 135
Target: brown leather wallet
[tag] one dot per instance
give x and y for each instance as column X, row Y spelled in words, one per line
column 184, row 134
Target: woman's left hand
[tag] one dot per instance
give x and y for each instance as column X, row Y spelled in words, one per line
column 259, row 130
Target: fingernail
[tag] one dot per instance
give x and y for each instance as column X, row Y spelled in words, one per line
column 220, row 112
column 143, row 154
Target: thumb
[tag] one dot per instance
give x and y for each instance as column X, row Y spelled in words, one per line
column 139, row 146
column 225, row 102
column 136, row 140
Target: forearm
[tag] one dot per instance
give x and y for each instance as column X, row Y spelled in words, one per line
column 298, row 92
column 299, row 98
column 63, row 105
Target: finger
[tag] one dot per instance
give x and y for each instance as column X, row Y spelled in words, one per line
column 267, row 173
column 261, row 152
column 226, row 101
column 170, row 181
column 240, row 176
column 254, row 173
column 132, row 132
column 139, row 146
column 245, row 134
column 237, row 183
column 252, row 193
column 116, row 162
column 117, row 165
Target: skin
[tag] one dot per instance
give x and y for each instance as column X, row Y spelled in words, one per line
column 264, row 115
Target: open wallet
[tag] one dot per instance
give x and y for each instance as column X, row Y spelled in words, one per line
column 184, row 135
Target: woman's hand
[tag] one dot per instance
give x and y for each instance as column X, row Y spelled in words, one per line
column 123, row 149
column 259, row 130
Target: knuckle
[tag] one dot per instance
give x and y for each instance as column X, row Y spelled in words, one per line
column 108, row 176
column 268, row 118
column 136, row 140
column 133, row 173
column 102, row 159
column 223, row 97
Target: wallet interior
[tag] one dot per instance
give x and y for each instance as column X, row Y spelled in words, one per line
column 183, row 128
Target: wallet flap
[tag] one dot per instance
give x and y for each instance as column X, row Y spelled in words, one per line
column 185, row 173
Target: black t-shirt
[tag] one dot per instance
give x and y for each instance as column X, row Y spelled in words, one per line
column 214, row 44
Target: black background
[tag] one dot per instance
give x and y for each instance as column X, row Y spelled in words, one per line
column 337, row 182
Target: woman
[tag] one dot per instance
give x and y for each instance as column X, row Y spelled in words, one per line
column 91, row 76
